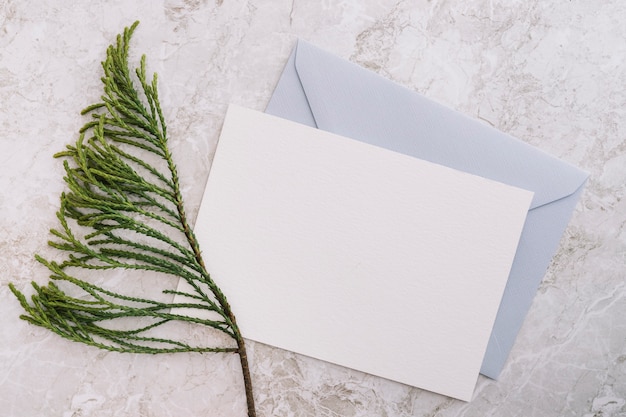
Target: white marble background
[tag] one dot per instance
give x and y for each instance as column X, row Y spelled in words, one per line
column 551, row 73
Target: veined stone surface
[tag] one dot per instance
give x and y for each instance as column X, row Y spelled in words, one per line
column 552, row 74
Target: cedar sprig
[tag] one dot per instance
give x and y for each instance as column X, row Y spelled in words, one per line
column 123, row 209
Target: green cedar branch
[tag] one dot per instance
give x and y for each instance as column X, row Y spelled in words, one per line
column 124, row 210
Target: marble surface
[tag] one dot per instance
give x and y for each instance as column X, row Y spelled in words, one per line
column 550, row 73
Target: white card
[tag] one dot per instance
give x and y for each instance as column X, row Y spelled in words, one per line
column 357, row 255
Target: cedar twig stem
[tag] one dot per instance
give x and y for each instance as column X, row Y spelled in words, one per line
column 221, row 299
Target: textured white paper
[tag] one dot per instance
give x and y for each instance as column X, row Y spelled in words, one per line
column 357, row 255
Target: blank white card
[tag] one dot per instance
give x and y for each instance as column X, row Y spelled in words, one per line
column 355, row 254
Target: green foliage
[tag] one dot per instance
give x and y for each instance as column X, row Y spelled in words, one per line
column 122, row 212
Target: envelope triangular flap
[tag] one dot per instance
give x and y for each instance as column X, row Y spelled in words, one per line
column 294, row 106
column 421, row 127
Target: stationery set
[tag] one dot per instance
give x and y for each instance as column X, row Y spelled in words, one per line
column 360, row 223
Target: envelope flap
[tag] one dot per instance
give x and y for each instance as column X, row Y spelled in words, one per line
column 423, row 128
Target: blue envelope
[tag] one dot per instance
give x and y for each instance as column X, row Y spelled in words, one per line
column 321, row 90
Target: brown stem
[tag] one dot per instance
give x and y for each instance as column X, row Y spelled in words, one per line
column 247, row 381
column 219, row 296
